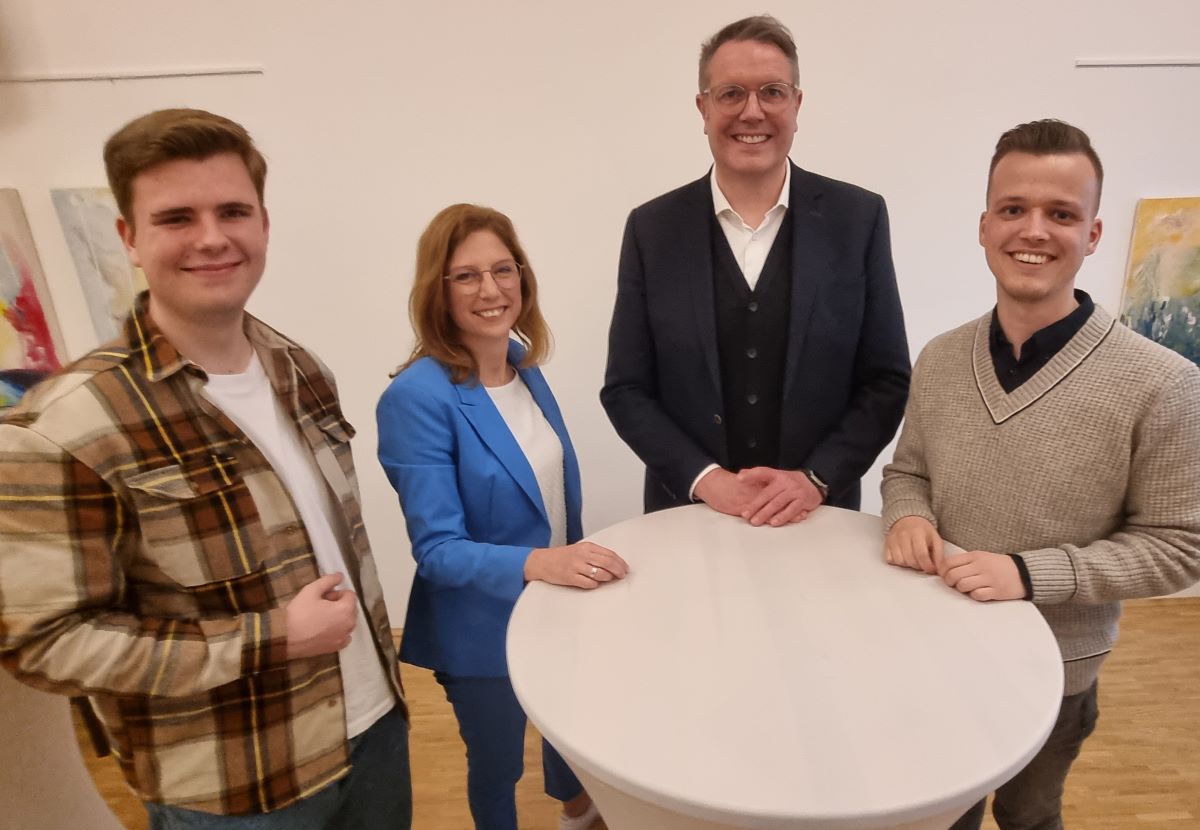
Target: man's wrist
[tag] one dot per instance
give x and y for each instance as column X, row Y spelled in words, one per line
column 696, row 480
column 896, row 511
column 815, row 479
column 1023, row 571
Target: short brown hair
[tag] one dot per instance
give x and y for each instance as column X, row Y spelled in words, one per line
column 429, row 310
column 1048, row 137
column 168, row 135
column 762, row 28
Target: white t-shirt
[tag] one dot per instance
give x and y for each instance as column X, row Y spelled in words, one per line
column 542, row 449
column 250, row 402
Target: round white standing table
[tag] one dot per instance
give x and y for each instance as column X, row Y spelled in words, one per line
column 780, row 678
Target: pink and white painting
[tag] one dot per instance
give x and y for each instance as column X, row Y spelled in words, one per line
column 30, row 343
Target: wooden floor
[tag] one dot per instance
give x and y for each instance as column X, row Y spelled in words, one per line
column 1139, row 771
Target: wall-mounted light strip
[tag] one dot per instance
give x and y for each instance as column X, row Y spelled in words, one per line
column 131, row 74
column 1134, row 63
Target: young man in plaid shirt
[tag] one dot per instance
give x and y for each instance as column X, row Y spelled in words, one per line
column 180, row 531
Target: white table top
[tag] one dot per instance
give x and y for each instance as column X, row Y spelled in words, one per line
column 783, row 677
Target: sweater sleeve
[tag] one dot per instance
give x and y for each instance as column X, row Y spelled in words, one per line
column 905, row 488
column 1157, row 549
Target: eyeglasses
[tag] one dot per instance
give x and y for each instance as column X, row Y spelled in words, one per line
column 505, row 274
column 732, row 97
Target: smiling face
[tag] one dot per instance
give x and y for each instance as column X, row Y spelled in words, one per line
column 1039, row 224
column 484, row 317
column 199, row 232
column 749, row 143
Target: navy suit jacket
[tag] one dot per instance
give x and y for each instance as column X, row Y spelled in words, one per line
column 473, row 510
column 847, row 367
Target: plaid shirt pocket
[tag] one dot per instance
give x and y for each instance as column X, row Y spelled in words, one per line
column 197, row 521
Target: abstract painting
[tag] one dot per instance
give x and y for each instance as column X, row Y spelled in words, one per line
column 30, row 343
column 110, row 281
column 1162, row 282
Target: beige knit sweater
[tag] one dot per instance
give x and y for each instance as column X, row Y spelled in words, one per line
column 1090, row 470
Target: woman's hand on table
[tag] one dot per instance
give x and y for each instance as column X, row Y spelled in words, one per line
column 581, row 565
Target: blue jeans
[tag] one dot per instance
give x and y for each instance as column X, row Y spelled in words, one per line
column 1032, row 800
column 376, row 793
column 492, row 725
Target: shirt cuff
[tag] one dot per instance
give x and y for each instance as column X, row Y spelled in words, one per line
column 265, row 640
column 696, row 480
column 898, row 509
column 1023, row 570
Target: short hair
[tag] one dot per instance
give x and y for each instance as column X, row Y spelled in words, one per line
column 428, row 307
column 1048, row 137
column 169, row 135
column 762, row 28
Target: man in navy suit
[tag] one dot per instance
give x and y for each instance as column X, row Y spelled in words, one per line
column 757, row 359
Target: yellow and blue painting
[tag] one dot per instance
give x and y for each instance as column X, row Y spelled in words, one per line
column 1162, row 282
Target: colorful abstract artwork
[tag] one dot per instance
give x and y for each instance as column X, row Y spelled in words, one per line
column 110, row 281
column 1162, row 282
column 30, row 343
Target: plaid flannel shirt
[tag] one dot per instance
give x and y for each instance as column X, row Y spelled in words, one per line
column 147, row 551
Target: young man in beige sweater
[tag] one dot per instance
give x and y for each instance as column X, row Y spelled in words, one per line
column 1054, row 445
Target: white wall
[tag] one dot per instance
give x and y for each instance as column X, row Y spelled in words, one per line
column 565, row 115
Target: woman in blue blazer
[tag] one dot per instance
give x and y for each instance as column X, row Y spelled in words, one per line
column 474, row 443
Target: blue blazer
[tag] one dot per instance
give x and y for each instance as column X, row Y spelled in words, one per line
column 473, row 510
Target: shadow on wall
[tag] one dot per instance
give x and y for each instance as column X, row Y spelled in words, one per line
column 13, row 101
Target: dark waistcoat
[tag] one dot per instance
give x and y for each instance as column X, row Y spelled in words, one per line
column 752, row 338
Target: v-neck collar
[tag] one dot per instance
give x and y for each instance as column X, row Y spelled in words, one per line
column 1003, row 405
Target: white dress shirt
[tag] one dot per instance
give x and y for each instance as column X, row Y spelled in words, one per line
column 750, row 246
column 544, row 452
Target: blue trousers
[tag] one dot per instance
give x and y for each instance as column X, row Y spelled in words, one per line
column 492, row 725
column 1032, row 800
column 375, row 794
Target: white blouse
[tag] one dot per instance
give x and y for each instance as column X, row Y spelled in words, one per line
column 542, row 449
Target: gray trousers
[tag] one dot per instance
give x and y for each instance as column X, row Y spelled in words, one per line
column 1032, row 800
